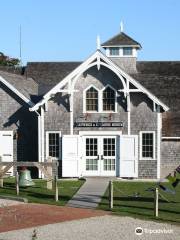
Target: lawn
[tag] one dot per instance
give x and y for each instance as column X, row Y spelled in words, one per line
column 126, row 203
column 40, row 194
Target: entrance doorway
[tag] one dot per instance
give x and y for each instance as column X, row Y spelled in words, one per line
column 100, row 155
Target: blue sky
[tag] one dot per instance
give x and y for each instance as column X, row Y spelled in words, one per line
column 66, row 30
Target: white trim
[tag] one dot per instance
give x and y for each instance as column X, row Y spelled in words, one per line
column 39, row 142
column 47, row 143
column 89, row 63
column 171, row 138
column 154, row 146
column 12, row 88
column 42, row 133
column 100, row 133
column 159, row 127
column 71, row 114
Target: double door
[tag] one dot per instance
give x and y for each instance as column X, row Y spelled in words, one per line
column 100, row 154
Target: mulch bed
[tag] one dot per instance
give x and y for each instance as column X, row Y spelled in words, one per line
column 32, row 215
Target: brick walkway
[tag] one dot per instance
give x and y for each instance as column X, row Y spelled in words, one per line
column 31, row 215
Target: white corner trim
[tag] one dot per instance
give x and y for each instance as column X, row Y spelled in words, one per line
column 13, row 89
column 159, row 127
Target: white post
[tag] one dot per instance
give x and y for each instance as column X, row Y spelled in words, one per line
column 156, row 202
column 17, row 183
column 111, row 194
column 128, row 109
column 42, row 132
column 39, row 141
column 71, row 113
column 56, row 189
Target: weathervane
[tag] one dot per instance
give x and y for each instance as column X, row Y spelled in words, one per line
column 121, row 26
column 98, row 42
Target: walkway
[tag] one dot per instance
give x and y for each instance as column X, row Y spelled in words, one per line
column 89, row 195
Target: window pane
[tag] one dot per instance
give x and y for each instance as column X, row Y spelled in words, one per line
column 92, row 99
column 108, row 99
column 54, row 145
column 127, row 51
column 147, row 145
column 114, row 51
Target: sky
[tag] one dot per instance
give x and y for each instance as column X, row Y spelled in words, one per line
column 59, row 30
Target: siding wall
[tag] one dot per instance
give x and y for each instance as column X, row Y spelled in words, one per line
column 170, row 156
column 57, row 118
column 15, row 116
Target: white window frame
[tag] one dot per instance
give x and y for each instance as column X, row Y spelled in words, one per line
column 114, row 55
column 127, row 55
column 154, row 146
column 101, row 99
column 47, row 143
column 84, row 99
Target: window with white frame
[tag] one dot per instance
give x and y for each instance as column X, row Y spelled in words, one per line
column 108, row 99
column 127, row 51
column 53, row 144
column 92, row 99
column 114, row 51
column 147, row 145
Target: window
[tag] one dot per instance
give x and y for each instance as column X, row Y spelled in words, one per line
column 92, row 99
column 53, row 144
column 147, row 145
column 127, row 51
column 108, row 99
column 114, row 51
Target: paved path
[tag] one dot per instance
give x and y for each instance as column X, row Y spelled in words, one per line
column 89, row 195
column 98, row 228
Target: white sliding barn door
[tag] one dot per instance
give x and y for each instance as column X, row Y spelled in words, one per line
column 6, row 147
column 70, row 155
column 128, row 156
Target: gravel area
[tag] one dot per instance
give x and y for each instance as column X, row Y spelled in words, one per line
column 7, row 202
column 104, row 227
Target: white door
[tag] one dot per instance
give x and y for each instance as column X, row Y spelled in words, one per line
column 70, row 155
column 128, row 156
column 6, row 147
column 100, row 155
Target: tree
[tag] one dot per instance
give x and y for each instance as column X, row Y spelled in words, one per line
column 7, row 61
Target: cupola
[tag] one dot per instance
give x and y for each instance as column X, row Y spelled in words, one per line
column 122, row 49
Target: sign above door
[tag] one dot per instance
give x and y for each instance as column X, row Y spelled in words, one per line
column 98, row 124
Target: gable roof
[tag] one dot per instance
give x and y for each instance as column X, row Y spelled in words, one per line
column 93, row 60
column 121, row 39
column 25, row 88
column 48, row 74
column 163, row 80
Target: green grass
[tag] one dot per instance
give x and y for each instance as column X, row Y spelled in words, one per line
column 40, row 194
column 143, row 206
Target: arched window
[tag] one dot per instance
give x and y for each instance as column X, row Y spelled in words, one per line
column 92, row 99
column 108, row 99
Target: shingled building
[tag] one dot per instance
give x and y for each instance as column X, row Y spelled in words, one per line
column 110, row 115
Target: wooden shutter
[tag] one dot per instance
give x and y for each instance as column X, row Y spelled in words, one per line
column 128, row 156
column 70, row 155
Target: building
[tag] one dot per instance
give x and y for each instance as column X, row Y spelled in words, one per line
column 110, row 115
